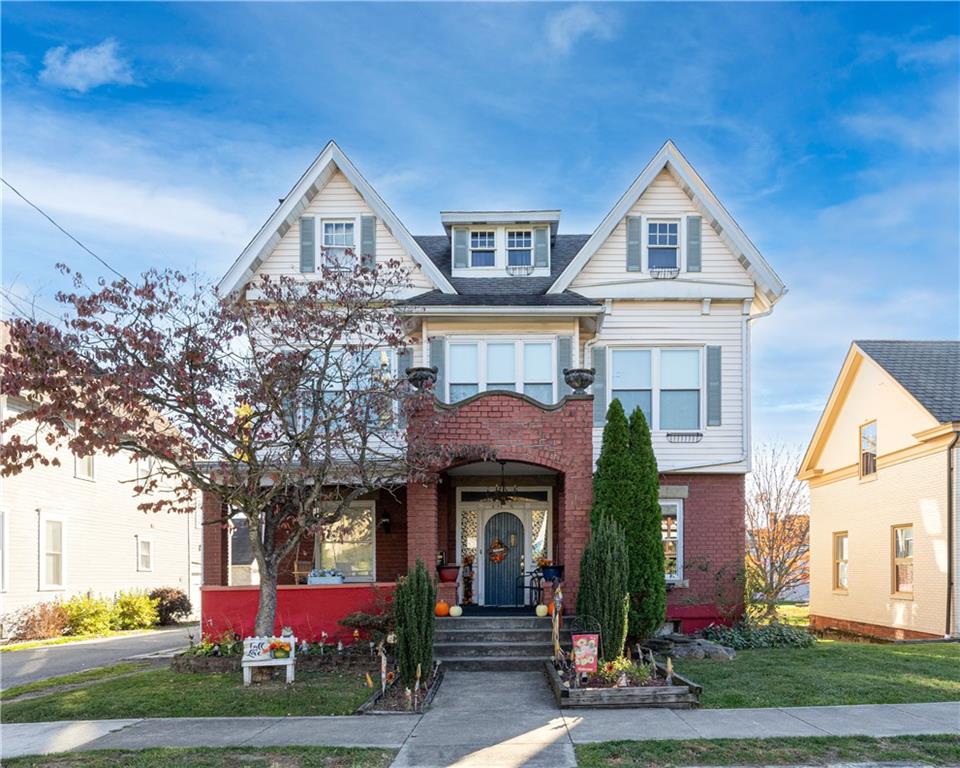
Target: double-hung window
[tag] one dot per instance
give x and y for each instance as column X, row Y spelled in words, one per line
column 83, row 467
column 349, row 543
column 52, row 569
column 841, row 555
column 483, row 248
column 868, row 449
column 663, row 383
column 144, row 554
column 352, row 382
column 519, row 248
column 663, row 244
column 671, row 531
column 516, row 366
column 337, row 241
column 903, row 559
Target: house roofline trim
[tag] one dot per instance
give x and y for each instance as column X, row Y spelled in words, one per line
column 668, row 156
column 297, row 199
column 456, row 309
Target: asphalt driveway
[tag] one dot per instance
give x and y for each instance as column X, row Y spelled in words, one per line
column 18, row 667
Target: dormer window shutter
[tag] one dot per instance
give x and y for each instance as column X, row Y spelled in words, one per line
column 541, row 247
column 634, row 241
column 694, row 244
column 368, row 241
column 460, row 255
column 308, row 244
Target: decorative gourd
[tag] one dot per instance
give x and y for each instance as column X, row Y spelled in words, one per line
column 442, row 609
column 456, row 610
column 541, row 610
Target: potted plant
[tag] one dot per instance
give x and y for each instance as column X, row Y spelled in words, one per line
column 448, row 573
column 550, row 571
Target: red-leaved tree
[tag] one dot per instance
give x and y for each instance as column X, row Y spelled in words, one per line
column 286, row 402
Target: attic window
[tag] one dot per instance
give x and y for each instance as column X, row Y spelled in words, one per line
column 663, row 244
column 337, row 240
column 519, row 248
column 483, row 248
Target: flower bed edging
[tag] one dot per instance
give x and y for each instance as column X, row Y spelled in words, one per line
column 686, row 695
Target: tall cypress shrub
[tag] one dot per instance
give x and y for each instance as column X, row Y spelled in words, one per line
column 648, row 592
column 414, row 601
column 603, row 593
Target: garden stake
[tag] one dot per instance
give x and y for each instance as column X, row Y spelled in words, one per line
column 383, row 670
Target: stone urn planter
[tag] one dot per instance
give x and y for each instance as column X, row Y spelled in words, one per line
column 422, row 377
column 578, row 379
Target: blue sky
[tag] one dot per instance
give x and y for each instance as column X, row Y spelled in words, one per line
column 163, row 135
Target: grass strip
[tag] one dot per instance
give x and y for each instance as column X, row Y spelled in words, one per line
column 87, row 675
column 814, row 750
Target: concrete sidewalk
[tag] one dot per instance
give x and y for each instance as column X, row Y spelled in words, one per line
column 485, row 719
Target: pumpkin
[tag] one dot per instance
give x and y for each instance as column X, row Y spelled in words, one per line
column 456, row 610
column 541, row 610
column 442, row 609
column 550, row 608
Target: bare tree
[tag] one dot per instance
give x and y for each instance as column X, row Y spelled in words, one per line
column 778, row 527
column 285, row 403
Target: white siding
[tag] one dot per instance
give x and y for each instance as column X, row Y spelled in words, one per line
column 658, row 324
column 664, row 197
column 101, row 526
column 338, row 198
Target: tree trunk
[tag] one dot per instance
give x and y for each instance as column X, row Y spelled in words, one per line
column 267, row 609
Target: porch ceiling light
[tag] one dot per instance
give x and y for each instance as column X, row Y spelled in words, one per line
column 502, row 494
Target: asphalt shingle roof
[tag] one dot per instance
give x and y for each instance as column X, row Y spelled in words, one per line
column 928, row 370
column 502, row 291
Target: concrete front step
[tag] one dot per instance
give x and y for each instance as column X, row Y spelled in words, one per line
column 497, row 636
column 495, row 663
column 487, row 650
column 494, row 622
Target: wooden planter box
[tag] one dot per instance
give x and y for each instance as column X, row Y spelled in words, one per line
column 367, row 708
column 686, row 695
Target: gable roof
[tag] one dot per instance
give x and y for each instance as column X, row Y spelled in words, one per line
column 669, row 157
column 928, row 370
column 316, row 176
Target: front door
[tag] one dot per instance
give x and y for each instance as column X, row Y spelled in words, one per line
column 503, row 564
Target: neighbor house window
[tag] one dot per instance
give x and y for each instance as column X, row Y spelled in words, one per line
column 519, row 248
column 840, row 555
column 903, row 559
column 144, row 554
column 83, row 467
column 663, row 244
column 868, row 449
column 51, row 553
column 671, row 531
column 480, row 366
column 337, row 240
column 348, row 543
column 664, row 383
column 483, row 248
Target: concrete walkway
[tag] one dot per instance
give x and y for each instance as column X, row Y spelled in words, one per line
column 490, row 719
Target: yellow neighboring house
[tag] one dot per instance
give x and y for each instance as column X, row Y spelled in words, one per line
column 884, row 487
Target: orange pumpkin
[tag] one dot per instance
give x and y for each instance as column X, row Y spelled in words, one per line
column 550, row 608
column 442, row 609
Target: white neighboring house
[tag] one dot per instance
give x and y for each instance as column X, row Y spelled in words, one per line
column 75, row 528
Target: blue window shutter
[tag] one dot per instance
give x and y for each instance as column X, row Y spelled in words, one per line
column 460, row 247
column 368, row 241
column 436, row 359
column 714, row 389
column 541, row 247
column 308, row 244
column 564, row 360
column 694, row 244
column 599, row 386
column 634, row 239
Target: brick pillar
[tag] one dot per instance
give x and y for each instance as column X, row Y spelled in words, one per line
column 216, row 543
column 422, row 525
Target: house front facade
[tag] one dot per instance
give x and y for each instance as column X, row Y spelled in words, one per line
column 658, row 300
column 882, row 471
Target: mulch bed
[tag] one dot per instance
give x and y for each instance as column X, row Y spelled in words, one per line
column 394, row 699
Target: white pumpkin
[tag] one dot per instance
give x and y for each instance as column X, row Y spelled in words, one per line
column 456, row 610
column 541, row 610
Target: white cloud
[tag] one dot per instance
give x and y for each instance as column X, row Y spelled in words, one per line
column 924, row 127
column 86, row 68
column 909, row 52
column 570, row 24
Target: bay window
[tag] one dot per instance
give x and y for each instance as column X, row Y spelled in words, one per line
column 349, row 543
column 512, row 365
column 664, row 383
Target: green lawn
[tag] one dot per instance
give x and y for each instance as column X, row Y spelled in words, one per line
column 247, row 757
column 162, row 693
column 88, row 675
column 926, row 750
column 829, row 673
column 794, row 614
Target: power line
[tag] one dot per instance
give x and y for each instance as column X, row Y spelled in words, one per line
column 49, row 218
column 11, row 296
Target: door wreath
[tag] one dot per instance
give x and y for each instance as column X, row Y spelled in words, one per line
column 497, row 551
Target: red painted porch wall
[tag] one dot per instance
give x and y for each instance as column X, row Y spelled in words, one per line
column 713, row 550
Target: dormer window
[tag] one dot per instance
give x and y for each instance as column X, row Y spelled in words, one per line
column 337, row 239
column 663, row 244
column 483, row 248
column 519, row 248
